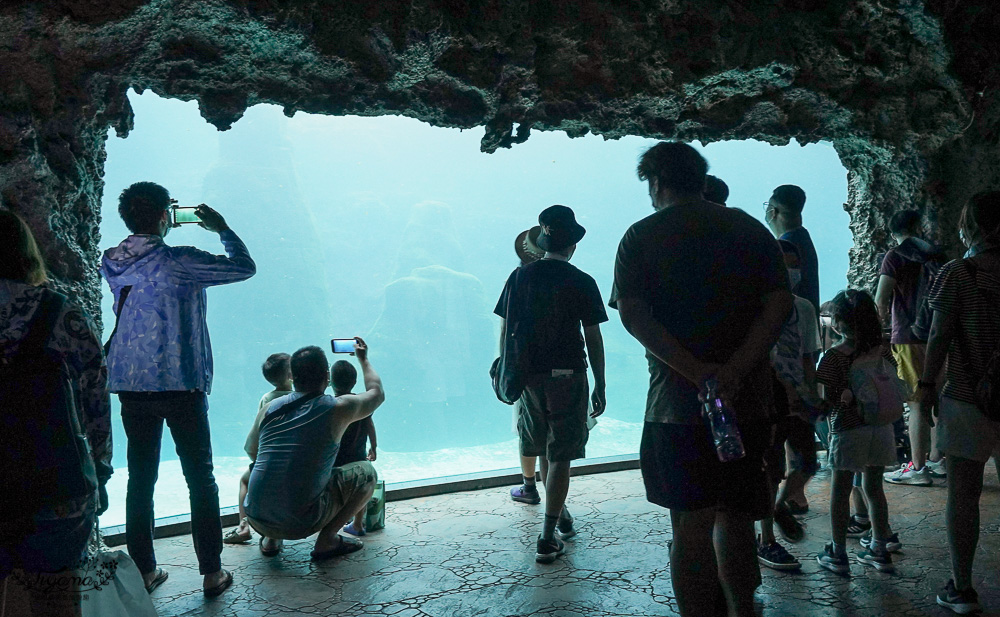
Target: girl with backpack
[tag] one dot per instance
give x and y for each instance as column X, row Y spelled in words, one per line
column 966, row 330
column 864, row 396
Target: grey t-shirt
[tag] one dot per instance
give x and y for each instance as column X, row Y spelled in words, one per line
column 294, row 464
column 704, row 271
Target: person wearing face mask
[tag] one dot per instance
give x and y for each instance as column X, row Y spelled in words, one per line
column 160, row 365
column 904, row 282
column 783, row 214
column 966, row 332
column 795, row 395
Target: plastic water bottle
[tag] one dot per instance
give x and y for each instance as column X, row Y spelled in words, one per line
column 725, row 433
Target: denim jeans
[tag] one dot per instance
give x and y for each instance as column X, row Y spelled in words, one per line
column 186, row 414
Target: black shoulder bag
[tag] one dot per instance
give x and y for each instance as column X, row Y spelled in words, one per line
column 509, row 371
column 118, row 315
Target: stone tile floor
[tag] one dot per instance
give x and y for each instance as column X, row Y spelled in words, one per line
column 472, row 553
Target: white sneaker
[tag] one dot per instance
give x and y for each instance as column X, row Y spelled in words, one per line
column 938, row 469
column 909, row 476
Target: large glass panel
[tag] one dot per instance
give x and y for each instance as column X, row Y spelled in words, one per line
column 403, row 233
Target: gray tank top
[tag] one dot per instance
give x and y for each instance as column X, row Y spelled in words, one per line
column 294, row 464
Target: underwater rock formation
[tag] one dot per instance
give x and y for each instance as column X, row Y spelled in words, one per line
column 441, row 389
column 905, row 90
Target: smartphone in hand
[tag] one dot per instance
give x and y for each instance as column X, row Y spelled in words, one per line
column 343, row 345
column 183, row 215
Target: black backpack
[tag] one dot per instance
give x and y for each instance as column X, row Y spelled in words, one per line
column 930, row 266
column 45, row 459
column 509, row 371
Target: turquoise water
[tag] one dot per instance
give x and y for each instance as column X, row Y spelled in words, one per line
column 403, row 233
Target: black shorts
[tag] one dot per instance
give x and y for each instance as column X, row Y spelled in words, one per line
column 801, row 438
column 682, row 471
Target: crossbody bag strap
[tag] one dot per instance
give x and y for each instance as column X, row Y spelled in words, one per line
column 288, row 408
column 122, row 296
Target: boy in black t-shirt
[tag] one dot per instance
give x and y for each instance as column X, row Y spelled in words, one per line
column 555, row 299
column 343, row 378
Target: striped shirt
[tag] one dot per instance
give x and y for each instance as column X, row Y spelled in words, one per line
column 973, row 299
column 834, row 372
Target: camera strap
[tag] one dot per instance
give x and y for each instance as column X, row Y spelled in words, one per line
column 118, row 314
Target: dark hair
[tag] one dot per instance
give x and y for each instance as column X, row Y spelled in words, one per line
column 674, row 166
column 309, row 368
column 716, row 190
column 908, row 222
column 20, row 259
column 141, row 206
column 790, row 196
column 856, row 312
column 275, row 368
column 980, row 220
column 343, row 376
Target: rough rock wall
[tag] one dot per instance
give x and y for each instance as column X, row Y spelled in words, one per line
column 892, row 83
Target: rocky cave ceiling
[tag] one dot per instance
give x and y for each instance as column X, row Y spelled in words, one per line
column 904, row 89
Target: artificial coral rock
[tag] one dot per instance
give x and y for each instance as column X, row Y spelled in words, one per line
column 903, row 88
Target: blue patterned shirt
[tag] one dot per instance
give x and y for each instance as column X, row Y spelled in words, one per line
column 162, row 340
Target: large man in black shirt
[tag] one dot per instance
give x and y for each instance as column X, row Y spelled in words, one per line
column 556, row 299
column 704, row 289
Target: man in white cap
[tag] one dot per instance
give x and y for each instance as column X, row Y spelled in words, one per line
column 556, row 300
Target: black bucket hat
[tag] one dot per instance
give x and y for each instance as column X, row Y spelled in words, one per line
column 559, row 229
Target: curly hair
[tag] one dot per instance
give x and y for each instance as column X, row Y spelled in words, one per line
column 141, row 206
column 855, row 311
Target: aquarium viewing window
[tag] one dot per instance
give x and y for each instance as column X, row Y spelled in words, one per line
column 403, row 233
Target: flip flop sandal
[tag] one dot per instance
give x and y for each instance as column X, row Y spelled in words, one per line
column 234, row 537
column 269, row 552
column 345, row 547
column 349, row 528
column 159, row 579
column 212, row 592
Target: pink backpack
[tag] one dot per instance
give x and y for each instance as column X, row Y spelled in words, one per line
column 878, row 392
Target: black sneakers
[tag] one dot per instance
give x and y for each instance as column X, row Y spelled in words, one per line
column 961, row 602
column 546, row 551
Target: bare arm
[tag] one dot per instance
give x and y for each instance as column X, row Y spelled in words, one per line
column 503, row 333
column 373, row 443
column 360, row 406
column 944, row 327
column 658, row 341
column 883, row 297
column 595, row 351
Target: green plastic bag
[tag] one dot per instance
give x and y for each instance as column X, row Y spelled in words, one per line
column 375, row 514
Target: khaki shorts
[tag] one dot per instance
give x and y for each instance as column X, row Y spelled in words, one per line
column 965, row 432
column 552, row 416
column 861, row 447
column 345, row 485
